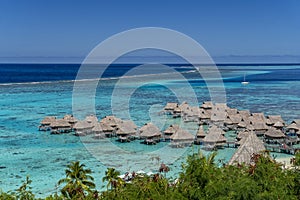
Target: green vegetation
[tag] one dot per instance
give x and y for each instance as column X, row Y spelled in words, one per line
column 78, row 181
column 200, row 179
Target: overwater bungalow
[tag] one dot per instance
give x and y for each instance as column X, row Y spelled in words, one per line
column 150, row 133
column 228, row 124
column 92, row 119
column 111, row 121
column 259, row 127
column 176, row 112
column 278, row 125
column 274, row 136
column 245, row 115
column 233, row 119
column 292, row 129
column 126, row 130
column 184, row 107
column 218, row 114
column 170, row 107
column 45, row 123
column 258, row 117
column 207, row 105
column 107, row 130
column 218, row 117
column 170, row 131
column 181, row 138
column 214, row 138
column 71, row 119
column 98, row 132
column 192, row 114
column 204, row 116
column 250, row 145
column 297, row 122
column 83, row 128
column 200, row 135
column 271, row 120
column 60, row 126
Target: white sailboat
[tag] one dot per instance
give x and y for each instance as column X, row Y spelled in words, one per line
column 245, row 82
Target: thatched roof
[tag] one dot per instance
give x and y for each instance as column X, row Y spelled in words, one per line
column 91, row 119
column 171, row 129
column 97, row 128
column 278, row 124
column 83, row 125
column 207, row 105
column 70, row 119
column 231, row 111
column 149, row 130
column 250, row 127
column 183, row 135
column 214, row 135
column 200, row 132
column 259, row 125
column 193, row 111
column 171, row 106
column 235, row 118
column 106, row 127
column 219, row 112
column 242, row 124
column 48, row 120
column 272, row 119
column 293, row 126
column 243, row 134
column 245, row 114
column 274, row 133
column 221, row 106
column 126, row 127
column 218, row 115
column 184, row 107
column 205, row 114
column 258, row 117
column 60, row 123
column 228, row 121
column 251, row 145
column 297, row 122
column 111, row 120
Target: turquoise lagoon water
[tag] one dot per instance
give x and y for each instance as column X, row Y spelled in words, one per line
column 26, row 151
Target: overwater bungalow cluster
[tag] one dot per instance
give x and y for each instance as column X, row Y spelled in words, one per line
column 220, row 119
column 215, row 122
column 111, row 126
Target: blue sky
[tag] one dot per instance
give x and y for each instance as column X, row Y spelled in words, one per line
column 224, row 27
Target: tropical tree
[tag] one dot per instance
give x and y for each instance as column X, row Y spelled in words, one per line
column 197, row 174
column 24, row 191
column 78, row 181
column 112, row 177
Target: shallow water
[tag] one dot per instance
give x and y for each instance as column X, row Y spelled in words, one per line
column 26, row 151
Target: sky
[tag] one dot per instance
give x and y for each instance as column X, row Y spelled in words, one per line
column 70, row 28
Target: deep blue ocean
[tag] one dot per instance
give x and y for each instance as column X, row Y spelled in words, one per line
column 22, row 73
column 29, row 92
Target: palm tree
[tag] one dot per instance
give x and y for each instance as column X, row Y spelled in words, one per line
column 112, row 177
column 78, row 181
